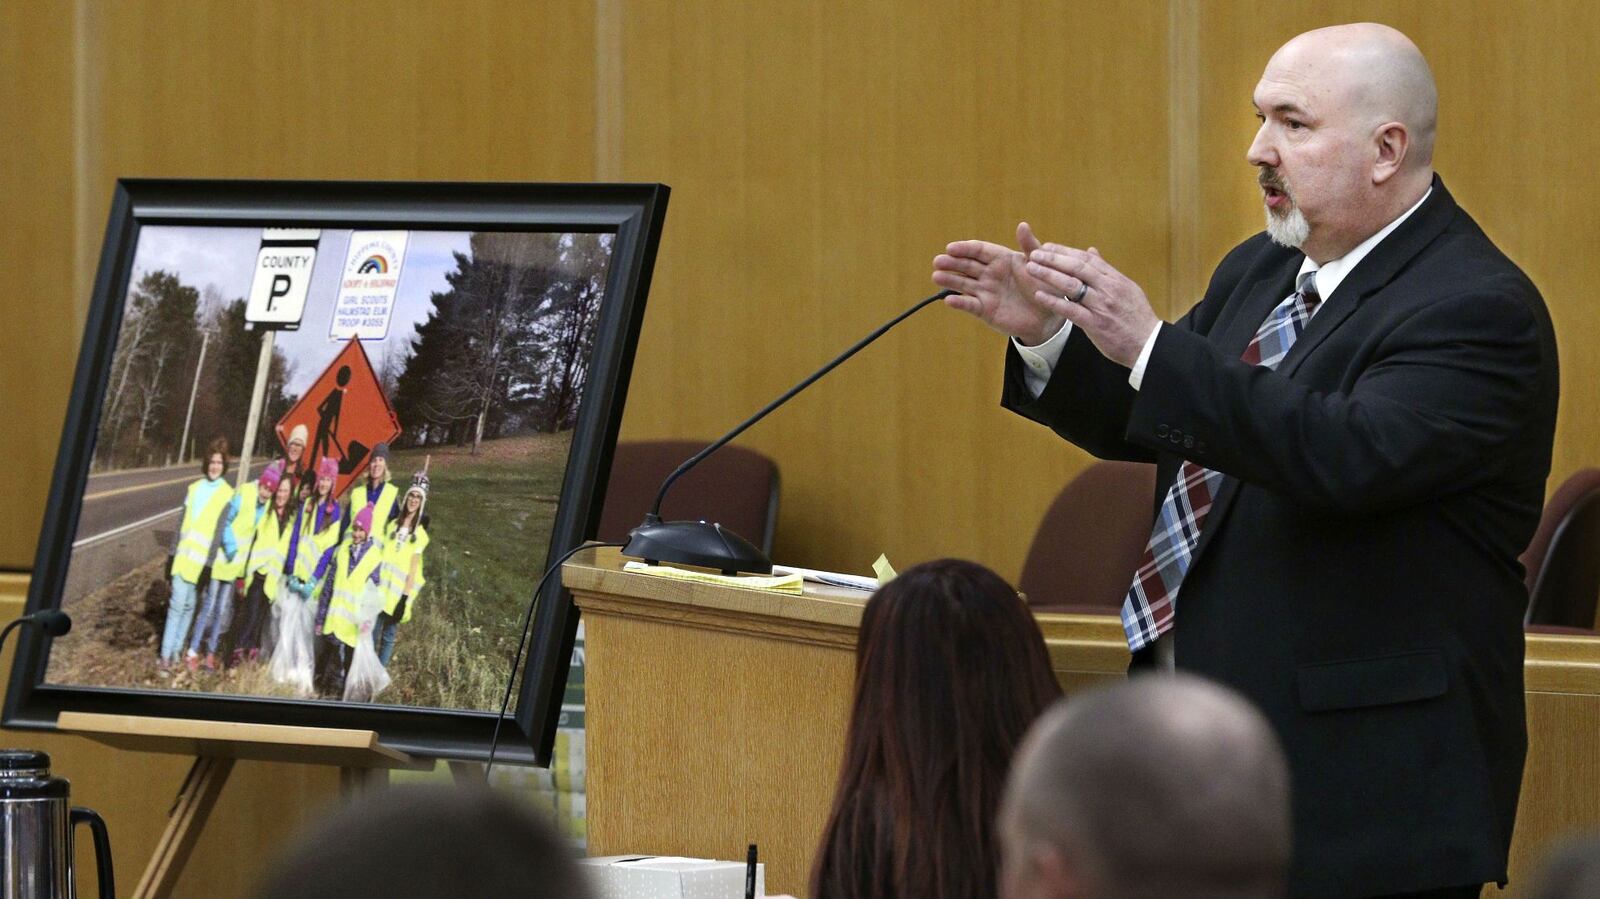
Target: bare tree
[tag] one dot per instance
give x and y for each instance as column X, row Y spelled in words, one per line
column 150, row 388
column 158, row 339
column 136, row 322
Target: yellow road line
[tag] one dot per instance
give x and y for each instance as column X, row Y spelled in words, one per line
column 105, row 493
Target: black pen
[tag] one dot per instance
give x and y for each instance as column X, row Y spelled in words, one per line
column 750, row 873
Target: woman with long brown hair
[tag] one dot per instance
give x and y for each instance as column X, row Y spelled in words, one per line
column 950, row 671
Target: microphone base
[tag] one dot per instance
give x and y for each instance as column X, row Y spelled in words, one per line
column 706, row 544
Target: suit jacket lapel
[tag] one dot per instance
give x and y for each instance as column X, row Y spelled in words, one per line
column 1379, row 267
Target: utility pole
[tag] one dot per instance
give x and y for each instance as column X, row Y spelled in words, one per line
column 183, row 445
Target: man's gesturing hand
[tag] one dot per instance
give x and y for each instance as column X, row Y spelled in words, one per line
column 1113, row 312
column 992, row 282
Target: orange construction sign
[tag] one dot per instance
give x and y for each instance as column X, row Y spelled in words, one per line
column 345, row 415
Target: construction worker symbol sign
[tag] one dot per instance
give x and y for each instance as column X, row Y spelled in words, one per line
column 345, row 415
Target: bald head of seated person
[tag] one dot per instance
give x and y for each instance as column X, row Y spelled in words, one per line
column 1150, row 789
column 1352, row 429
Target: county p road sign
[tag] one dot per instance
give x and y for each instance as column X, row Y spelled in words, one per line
column 283, row 276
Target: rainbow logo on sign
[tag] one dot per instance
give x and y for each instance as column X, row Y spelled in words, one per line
column 373, row 265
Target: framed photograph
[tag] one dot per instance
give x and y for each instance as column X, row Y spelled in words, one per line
column 323, row 441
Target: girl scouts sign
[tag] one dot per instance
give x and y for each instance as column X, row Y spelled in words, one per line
column 367, row 289
column 346, row 413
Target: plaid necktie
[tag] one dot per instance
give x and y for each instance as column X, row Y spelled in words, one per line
column 1148, row 608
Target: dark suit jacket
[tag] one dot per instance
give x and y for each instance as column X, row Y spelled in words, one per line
column 1358, row 577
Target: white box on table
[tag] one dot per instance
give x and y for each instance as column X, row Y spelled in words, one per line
column 668, row 877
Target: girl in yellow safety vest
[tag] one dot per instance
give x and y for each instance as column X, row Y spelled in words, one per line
column 264, row 571
column 406, row 538
column 353, row 569
column 199, row 535
column 319, row 527
column 239, row 522
column 315, row 533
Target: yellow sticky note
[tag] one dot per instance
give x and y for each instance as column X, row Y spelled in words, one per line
column 883, row 569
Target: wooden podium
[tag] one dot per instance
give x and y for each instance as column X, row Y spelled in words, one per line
column 716, row 717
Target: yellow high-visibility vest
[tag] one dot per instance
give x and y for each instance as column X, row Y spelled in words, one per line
column 244, row 531
column 380, row 509
column 345, row 615
column 398, row 556
column 268, row 551
column 198, row 528
column 313, row 543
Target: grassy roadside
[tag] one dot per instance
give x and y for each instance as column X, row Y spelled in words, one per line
column 491, row 519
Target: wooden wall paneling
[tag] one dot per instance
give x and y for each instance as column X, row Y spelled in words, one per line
column 1188, row 272
column 820, row 156
column 471, row 91
column 90, row 92
column 41, row 320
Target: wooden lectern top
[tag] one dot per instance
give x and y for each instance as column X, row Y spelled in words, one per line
column 822, row 614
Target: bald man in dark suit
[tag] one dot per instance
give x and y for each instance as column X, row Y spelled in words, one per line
column 1353, row 431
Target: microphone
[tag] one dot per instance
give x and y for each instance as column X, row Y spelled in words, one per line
column 53, row 622
column 711, row 545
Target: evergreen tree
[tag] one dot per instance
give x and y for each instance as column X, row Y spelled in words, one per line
column 506, row 348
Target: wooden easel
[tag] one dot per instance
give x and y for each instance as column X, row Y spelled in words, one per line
column 363, row 765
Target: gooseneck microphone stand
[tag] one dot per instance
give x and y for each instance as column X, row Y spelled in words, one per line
column 710, row 545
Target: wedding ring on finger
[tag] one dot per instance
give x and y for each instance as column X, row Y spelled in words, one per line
column 1083, row 291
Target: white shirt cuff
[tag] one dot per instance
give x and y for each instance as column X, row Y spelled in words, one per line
column 1137, row 374
column 1039, row 362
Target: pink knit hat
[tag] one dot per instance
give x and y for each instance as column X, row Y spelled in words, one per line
column 364, row 518
column 327, row 468
column 272, row 475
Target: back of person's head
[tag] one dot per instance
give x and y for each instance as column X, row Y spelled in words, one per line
column 1572, row 871
column 428, row 842
column 1154, row 787
column 950, row 672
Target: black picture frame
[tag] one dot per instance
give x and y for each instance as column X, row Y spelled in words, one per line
column 633, row 213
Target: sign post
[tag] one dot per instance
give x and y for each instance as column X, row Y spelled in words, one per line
column 277, row 300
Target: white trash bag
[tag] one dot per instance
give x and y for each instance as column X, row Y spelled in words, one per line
column 292, row 651
column 367, row 676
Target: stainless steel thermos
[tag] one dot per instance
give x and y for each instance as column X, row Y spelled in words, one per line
column 36, row 827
